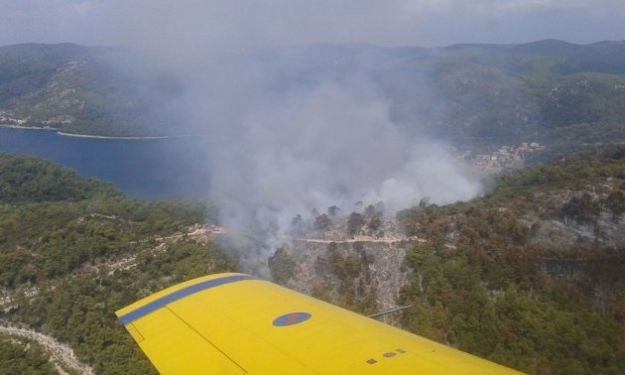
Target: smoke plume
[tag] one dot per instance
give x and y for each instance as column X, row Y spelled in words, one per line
column 286, row 138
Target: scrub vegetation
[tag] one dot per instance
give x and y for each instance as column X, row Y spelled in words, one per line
column 20, row 356
column 492, row 281
column 62, row 241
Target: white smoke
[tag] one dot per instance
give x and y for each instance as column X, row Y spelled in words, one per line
column 285, row 138
column 330, row 145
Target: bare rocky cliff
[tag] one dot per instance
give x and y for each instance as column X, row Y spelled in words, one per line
column 362, row 271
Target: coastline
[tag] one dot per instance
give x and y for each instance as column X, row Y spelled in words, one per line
column 63, row 134
column 75, row 135
column 89, row 136
column 21, row 127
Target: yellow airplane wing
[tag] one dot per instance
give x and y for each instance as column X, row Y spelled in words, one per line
column 236, row 324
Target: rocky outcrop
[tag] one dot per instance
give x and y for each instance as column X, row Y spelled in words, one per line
column 363, row 271
column 61, row 355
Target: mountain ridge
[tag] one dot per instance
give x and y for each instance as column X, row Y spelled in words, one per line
column 495, row 93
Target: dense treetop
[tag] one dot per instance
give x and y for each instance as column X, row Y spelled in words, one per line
column 28, row 179
column 531, row 275
column 72, row 251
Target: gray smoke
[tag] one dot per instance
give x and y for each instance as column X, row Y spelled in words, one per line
column 280, row 152
column 332, row 145
column 286, row 138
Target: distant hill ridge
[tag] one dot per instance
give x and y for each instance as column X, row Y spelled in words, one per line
column 83, row 90
column 494, row 93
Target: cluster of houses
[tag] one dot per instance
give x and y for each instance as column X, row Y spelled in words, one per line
column 506, row 157
column 6, row 119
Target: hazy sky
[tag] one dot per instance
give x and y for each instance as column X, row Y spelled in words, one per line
column 273, row 22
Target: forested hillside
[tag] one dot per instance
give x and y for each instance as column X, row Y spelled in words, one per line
column 84, row 90
column 72, row 251
column 30, row 180
column 529, row 276
column 532, row 275
column 479, row 95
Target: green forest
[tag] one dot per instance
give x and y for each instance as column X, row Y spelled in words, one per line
column 60, row 238
column 482, row 285
column 19, row 356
